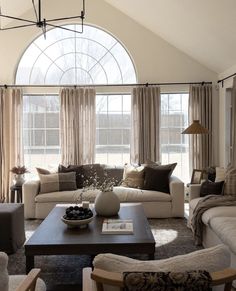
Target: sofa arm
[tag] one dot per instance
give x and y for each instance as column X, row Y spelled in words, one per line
column 177, row 194
column 30, row 189
column 194, row 191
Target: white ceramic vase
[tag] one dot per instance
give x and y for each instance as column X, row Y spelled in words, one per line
column 19, row 179
column 107, row 204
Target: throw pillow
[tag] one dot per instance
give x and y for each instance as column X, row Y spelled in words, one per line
column 220, row 174
column 78, row 173
column 133, row 176
column 230, row 182
column 57, row 182
column 156, row 178
column 209, row 187
column 43, row 171
column 164, row 167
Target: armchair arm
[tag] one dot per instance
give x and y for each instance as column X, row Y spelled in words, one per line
column 194, row 191
column 29, row 283
column 177, row 194
column 30, row 189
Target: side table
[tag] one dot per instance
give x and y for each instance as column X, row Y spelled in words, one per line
column 15, row 189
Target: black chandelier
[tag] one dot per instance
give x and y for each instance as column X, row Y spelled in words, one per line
column 42, row 22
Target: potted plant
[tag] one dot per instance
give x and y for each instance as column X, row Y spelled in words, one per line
column 19, row 174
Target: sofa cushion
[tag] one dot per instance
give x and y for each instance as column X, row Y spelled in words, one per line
column 57, row 182
column 209, row 187
column 66, row 196
column 125, row 195
column 133, row 176
column 156, row 178
column 137, row 195
column 221, row 211
column 225, row 229
column 211, row 259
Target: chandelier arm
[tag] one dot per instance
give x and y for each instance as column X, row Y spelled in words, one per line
column 61, row 27
column 19, row 26
column 17, row 18
column 64, row 18
column 35, row 12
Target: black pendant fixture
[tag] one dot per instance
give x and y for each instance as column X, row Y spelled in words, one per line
column 43, row 23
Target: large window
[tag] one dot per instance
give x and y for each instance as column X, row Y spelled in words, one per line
column 174, row 145
column 113, row 129
column 64, row 58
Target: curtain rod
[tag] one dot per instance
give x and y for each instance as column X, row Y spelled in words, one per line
column 222, row 80
column 105, row 85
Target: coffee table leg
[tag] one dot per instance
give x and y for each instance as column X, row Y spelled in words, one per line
column 151, row 256
column 29, row 263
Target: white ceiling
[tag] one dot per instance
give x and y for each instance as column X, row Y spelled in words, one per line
column 203, row 29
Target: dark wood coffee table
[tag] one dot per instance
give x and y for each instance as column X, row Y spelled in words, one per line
column 53, row 237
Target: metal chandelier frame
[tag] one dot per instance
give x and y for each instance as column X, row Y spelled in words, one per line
column 42, row 22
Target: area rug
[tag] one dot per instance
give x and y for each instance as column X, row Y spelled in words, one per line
column 64, row 272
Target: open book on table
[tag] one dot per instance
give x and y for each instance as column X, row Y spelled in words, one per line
column 117, row 226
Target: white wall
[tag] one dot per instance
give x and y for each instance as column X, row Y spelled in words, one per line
column 155, row 59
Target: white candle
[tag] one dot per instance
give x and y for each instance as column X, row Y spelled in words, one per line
column 85, row 204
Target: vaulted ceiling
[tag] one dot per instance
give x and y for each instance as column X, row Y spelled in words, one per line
column 203, row 29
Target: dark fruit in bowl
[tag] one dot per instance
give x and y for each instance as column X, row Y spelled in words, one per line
column 77, row 213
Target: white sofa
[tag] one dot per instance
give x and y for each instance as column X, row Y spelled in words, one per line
column 219, row 223
column 156, row 204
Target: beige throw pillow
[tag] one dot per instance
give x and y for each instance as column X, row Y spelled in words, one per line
column 220, row 174
column 230, row 182
column 57, row 182
column 133, row 176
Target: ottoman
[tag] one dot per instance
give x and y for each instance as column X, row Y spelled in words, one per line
column 12, row 227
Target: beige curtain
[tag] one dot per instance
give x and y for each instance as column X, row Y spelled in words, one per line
column 233, row 124
column 78, row 125
column 200, row 108
column 145, row 124
column 11, row 148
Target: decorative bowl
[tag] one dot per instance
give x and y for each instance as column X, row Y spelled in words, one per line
column 81, row 223
column 77, row 216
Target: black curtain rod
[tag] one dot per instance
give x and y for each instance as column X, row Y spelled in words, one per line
column 222, row 80
column 105, row 85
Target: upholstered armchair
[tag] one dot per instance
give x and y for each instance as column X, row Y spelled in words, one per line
column 109, row 268
column 19, row 282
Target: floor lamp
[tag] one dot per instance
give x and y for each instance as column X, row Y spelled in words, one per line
column 195, row 128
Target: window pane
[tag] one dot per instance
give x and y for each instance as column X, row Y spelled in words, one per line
column 113, row 129
column 175, row 146
column 41, row 131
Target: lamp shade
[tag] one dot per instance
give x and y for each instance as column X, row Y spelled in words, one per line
column 195, row 128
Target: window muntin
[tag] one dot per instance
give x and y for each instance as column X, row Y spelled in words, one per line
column 174, row 146
column 113, row 129
column 94, row 57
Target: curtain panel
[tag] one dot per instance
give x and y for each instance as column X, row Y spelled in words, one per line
column 78, row 125
column 11, row 146
column 233, row 126
column 145, row 124
column 200, row 108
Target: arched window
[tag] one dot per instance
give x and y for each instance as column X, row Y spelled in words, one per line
column 64, row 58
